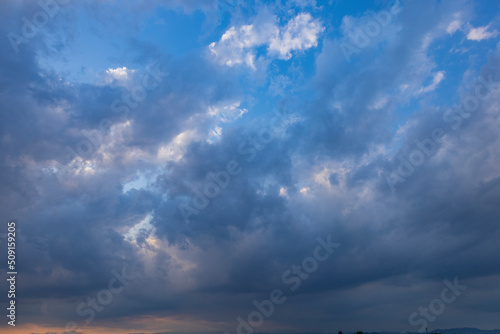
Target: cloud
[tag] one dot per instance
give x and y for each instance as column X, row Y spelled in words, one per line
column 121, row 75
column 238, row 45
column 481, row 33
column 455, row 25
column 227, row 112
column 321, row 175
column 436, row 80
column 300, row 33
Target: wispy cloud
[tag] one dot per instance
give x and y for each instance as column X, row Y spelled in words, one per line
column 481, row 33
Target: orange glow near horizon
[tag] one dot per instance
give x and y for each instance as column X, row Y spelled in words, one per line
column 143, row 324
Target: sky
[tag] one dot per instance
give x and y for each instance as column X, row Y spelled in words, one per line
column 204, row 166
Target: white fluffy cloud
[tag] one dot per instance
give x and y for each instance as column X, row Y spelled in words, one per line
column 238, row 44
column 227, row 112
column 301, row 33
column 119, row 76
column 480, row 33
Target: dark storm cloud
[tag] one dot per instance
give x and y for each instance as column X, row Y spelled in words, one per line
column 70, row 241
column 435, row 226
column 69, row 232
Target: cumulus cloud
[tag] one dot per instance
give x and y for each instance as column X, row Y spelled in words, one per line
column 238, row 44
column 300, row 33
column 121, row 75
column 227, row 112
column 481, row 33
